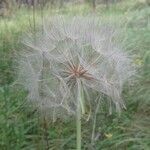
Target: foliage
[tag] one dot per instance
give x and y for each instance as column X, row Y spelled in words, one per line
column 19, row 125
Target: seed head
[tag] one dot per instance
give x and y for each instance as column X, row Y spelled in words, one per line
column 68, row 51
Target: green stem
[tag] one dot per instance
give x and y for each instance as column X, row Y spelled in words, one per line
column 78, row 127
column 45, row 127
column 78, row 119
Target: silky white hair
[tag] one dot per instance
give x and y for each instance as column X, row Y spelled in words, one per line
column 82, row 44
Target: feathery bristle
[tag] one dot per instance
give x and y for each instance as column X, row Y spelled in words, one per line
column 70, row 49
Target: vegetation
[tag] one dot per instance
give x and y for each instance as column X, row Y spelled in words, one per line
column 20, row 126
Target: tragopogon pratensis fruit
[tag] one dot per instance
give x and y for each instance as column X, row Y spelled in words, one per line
column 70, row 52
column 68, row 60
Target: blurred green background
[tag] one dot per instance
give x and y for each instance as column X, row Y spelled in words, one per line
column 20, row 128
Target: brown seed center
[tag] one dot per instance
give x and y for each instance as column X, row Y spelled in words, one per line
column 78, row 71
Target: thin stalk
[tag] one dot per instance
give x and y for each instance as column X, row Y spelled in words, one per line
column 34, row 19
column 42, row 14
column 94, row 122
column 78, row 119
column 42, row 95
column 45, row 123
column 45, row 126
column 78, row 127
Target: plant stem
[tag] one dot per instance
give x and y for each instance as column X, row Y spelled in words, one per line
column 94, row 122
column 34, row 16
column 78, row 127
column 45, row 126
column 78, row 119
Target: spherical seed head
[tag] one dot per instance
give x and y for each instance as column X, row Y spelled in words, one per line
column 68, row 50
